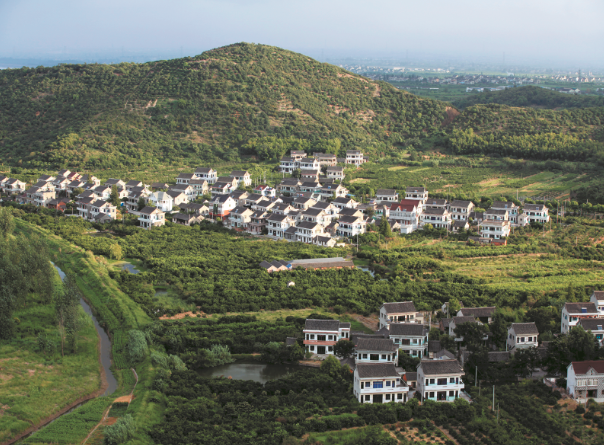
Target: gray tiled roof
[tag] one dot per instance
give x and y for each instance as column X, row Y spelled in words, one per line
column 368, row 370
column 478, row 311
column 445, row 322
column 525, row 328
column 443, row 354
column 405, row 306
column 434, row 346
column 387, row 192
column 576, row 308
column 499, row 356
column 458, row 203
column 591, row 324
column 375, row 344
column 406, row 329
column 436, row 367
column 460, row 320
column 322, row 325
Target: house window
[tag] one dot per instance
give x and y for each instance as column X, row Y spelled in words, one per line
column 383, row 356
column 330, row 348
column 378, row 384
column 374, row 357
column 452, row 380
column 387, row 396
column 312, row 336
column 427, row 382
column 431, row 381
column 312, row 348
column 442, row 381
column 367, row 398
column 400, row 395
column 362, row 385
column 365, row 356
column 431, row 394
column 388, row 383
column 451, row 393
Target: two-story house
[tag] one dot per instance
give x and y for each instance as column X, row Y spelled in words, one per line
column 102, row 192
column 573, row 312
column 350, row 226
column 354, row 157
column 207, row 173
column 200, row 186
column 221, row 205
column 266, row 191
column 133, row 184
column 389, row 195
column 306, row 232
column 379, row 383
column 335, row 173
column 458, row 321
column 439, row 218
column 178, row 197
column 243, row 177
column 412, row 338
column 310, row 164
column 535, row 213
column 401, row 312
column 277, row 224
column 303, row 203
column 439, row 380
column 320, row 336
column 288, row 164
column 406, row 213
column 434, row 203
column 585, row 380
column 490, row 228
column 326, row 159
column 83, row 206
column 298, row 155
column 13, row 186
column 258, row 222
column 522, row 336
column 375, row 350
column 187, row 189
column 162, row 201
column 102, row 210
column 151, row 217
column 417, row 194
column 595, row 325
column 117, row 182
column 512, row 209
column 316, row 216
column 240, row 217
column 330, row 191
column 460, row 210
column 310, row 174
column 597, row 298
column 345, row 203
column 331, row 211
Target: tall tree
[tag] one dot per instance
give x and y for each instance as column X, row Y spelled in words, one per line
column 577, row 345
column 385, row 228
column 114, row 198
column 67, row 301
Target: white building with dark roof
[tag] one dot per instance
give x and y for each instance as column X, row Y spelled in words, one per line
column 522, row 336
column 460, row 210
column 389, row 195
column 320, row 336
column 511, row 208
column 484, row 314
column 243, row 177
column 439, row 380
column 375, row 350
column 538, row 213
column 379, row 383
column 403, row 312
column 151, row 217
column 573, row 312
column 207, row 173
column 335, row 173
column 595, row 325
column 438, row 218
column 416, row 194
column 585, row 380
column 412, row 338
column 597, row 298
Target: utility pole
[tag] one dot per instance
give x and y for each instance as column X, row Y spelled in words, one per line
column 493, row 398
column 476, row 377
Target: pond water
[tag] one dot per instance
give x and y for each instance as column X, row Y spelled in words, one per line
column 105, row 343
column 161, row 293
column 130, row 268
column 258, row 372
column 366, row 269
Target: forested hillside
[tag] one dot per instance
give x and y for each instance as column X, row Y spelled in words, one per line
column 199, row 109
column 530, row 96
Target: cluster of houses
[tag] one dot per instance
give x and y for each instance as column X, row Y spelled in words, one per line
column 438, row 377
column 314, row 208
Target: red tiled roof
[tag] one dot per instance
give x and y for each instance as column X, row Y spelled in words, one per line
column 404, row 204
column 583, row 367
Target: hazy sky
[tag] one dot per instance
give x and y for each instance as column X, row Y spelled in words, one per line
column 561, row 31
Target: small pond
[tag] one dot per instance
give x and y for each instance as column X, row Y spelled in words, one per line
column 161, row 293
column 246, row 370
column 366, row 269
column 130, row 268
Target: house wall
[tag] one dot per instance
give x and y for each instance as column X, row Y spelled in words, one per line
column 434, row 391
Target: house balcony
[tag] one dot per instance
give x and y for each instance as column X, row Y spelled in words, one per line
column 385, row 389
column 320, row 342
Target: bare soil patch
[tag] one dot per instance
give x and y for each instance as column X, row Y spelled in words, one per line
column 179, row 316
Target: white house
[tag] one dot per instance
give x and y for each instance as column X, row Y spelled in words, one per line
column 402, row 312
column 490, row 228
column 288, row 164
column 354, row 157
column 309, row 164
column 406, row 213
column 585, row 380
column 416, row 194
column 597, row 298
column 535, row 213
column 412, row 338
column 266, row 190
column 439, row 218
column 512, row 209
column 320, row 336
column 207, row 173
column 456, row 321
column 162, row 201
column 350, row 226
column 460, row 210
column 375, row 350
column 439, row 380
column 522, row 336
column 240, row 217
column 345, row 203
column 221, row 205
column 151, row 217
column 335, row 173
column 243, row 177
column 595, row 325
column 307, row 231
column 185, row 178
column 573, row 312
column 386, row 195
column 379, row 383
column 277, row 224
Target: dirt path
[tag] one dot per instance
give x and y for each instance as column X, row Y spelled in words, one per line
column 371, row 323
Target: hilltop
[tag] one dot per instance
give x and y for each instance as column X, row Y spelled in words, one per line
column 200, row 108
column 530, row 96
column 248, row 101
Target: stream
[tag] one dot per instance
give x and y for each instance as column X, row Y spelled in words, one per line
column 105, row 343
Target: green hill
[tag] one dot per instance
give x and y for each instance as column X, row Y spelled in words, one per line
column 530, row 96
column 198, row 109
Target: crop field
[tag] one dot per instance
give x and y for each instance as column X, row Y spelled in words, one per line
column 34, row 385
column 481, row 180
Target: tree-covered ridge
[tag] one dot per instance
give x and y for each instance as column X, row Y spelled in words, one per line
column 198, row 108
column 530, row 96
